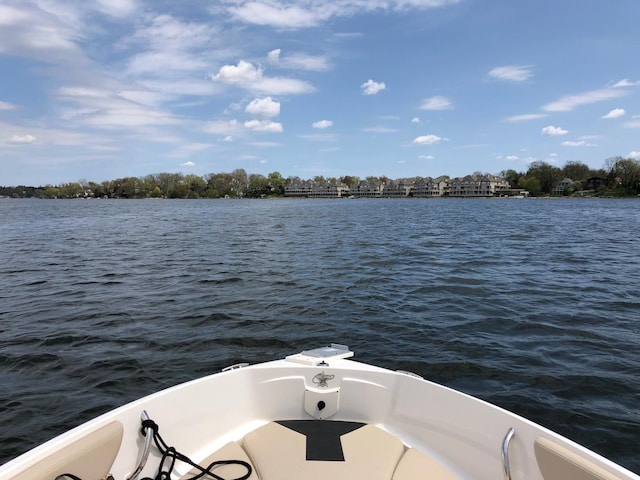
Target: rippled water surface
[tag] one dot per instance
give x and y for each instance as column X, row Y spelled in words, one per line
column 530, row 304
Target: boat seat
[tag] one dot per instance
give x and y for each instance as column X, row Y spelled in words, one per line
column 88, row 457
column 231, row 451
column 559, row 463
column 415, row 464
column 321, row 449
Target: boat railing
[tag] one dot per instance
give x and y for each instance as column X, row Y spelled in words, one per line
column 144, row 454
column 506, row 467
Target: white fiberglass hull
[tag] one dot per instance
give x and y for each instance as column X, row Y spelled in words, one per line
column 461, row 434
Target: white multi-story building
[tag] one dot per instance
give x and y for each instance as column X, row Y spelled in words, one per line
column 431, row 187
column 478, row 186
column 469, row 186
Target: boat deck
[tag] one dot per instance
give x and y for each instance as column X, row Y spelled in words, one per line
column 294, row 449
column 318, row 449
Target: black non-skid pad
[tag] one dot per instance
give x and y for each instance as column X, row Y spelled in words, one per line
column 323, row 437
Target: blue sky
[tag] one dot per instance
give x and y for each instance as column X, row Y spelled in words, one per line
column 102, row 89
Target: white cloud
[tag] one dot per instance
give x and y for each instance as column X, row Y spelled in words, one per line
column 302, row 61
column 168, row 34
column 552, row 131
column 626, row 83
column 322, row 124
column 526, row 117
column 309, row 13
column 264, row 107
column 298, row 61
column 7, row 106
column 246, row 75
column 220, row 127
column 274, row 56
column 427, row 139
column 570, row 102
column 188, row 164
column 320, row 137
column 436, row 103
column 263, row 126
column 159, row 62
column 615, row 113
column 580, row 143
column 283, row 86
column 371, row 88
column 426, row 157
column 266, row 144
column 415, row 120
column 52, row 136
column 117, row 8
column 512, row 157
column 228, row 138
column 512, row 73
column 23, row 139
column 379, row 130
column 276, row 15
column 102, row 108
column 33, row 32
column 143, row 97
column 634, row 154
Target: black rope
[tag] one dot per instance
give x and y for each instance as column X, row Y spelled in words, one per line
column 170, row 456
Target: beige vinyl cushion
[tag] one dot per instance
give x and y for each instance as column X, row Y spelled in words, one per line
column 279, row 453
column 559, row 463
column 231, row 451
column 89, row 457
column 416, row 465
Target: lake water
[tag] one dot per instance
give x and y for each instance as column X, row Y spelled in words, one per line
column 530, row 304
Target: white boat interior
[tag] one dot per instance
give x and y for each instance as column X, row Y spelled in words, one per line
column 313, row 415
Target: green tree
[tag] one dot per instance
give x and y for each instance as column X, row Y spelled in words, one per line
column 512, row 177
column 258, row 185
column 156, row 192
column 576, row 171
column 196, row 186
column 624, row 174
column 277, row 183
column 71, row 190
column 218, row 185
column 168, row 182
column 531, row 184
column 180, row 189
column 350, row 180
column 51, row 192
column 239, row 182
column 546, row 174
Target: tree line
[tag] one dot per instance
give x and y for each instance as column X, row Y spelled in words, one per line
column 162, row 185
column 618, row 177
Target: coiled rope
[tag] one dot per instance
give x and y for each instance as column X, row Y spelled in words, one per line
column 170, row 456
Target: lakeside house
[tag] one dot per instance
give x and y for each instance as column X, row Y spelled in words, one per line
column 427, row 187
column 313, row 189
column 560, row 187
column 431, row 187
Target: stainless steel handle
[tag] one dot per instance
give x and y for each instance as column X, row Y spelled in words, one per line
column 144, row 454
column 506, row 468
